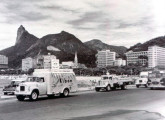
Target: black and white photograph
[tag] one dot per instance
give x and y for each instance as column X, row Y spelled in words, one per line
column 82, row 60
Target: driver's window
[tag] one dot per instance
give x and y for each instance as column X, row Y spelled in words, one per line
column 42, row 79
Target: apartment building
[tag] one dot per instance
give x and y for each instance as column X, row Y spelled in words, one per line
column 3, row 61
column 120, row 62
column 136, row 57
column 156, row 56
column 105, row 58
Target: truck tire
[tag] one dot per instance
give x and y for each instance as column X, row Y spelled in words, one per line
column 108, row 88
column 97, row 89
column 20, row 97
column 34, row 95
column 65, row 93
column 137, row 86
column 5, row 93
column 123, row 87
column 146, row 85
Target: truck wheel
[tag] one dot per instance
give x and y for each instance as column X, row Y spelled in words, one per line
column 137, row 86
column 5, row 93
column 123, row 87
column 34, row 96
column 97, row 89
column 146, row 85
column 113, row 88
column 20, row 97
column 65, row 93
column 108, row 88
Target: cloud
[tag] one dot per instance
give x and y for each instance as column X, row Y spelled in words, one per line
column 115, row 22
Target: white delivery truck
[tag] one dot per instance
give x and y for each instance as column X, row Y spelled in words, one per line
column 142, row 80
column 47, row 82
column 111, row 82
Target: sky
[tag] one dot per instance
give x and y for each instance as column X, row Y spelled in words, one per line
column 114, row 22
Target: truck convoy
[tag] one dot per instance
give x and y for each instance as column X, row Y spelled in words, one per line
column 142, row 80
column 47, row 82
column 156, row 79
column 111, row 82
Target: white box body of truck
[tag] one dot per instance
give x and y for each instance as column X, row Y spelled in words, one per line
column 47, row 82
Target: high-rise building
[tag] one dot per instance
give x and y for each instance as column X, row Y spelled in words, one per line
column 137, row 57
column 156, row 56
column 105, row 58
column 3, row 61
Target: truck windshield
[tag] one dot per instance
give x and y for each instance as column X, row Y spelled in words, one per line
column 143, row 76
column 33, row 79
column 105, row 78
column 15, row 83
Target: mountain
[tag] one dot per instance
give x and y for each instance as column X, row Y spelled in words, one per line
column 99, row 45
column 63, row 45
column 160, row 41
column 23, row 41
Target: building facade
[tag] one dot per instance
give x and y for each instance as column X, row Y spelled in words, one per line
column 137, row 57
column 47, row 62
column 3, row 61
column 120, row 62
column 156, row 56
column 27, row 64
column 105, row 58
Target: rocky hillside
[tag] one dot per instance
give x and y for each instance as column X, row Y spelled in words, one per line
column 99, row 45
column 63, row 45
column 160, row 41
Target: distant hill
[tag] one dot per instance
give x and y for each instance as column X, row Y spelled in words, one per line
column 23, row 41
column 99, row 45
column 160, row 41
column 63, row 45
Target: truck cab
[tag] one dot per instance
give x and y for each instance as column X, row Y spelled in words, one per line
column 142, row 80
column 47, row 82
column 109, row 82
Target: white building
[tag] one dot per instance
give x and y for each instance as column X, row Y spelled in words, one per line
column 3, row 61
column 27, row 63
column 47, row 62
column 120, row 62
column 156, row 56
column 134, row 57
column 105, row 58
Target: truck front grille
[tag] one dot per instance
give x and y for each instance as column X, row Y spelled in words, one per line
column 155, row 83
column 22, row 88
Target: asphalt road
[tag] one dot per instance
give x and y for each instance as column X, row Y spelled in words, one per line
column 131, row 104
